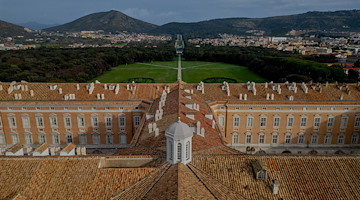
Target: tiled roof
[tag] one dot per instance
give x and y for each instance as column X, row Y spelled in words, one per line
column 64, row 178
column 69, row 148
column 300, row 177
column 329, row 93
column 15, row 148
column 42, row 148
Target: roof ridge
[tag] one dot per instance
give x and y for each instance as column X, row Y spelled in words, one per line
column 162, row 171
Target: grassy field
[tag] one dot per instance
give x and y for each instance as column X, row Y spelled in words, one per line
column 166, row 72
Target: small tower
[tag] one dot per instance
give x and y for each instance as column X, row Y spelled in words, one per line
column 179, row 143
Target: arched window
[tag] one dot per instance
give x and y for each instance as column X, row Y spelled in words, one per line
column 187, row 150
column 42, row 138
column 235, row 138
column 109, row 138
column 15, row 138
column 28, row 138
column 69, row 138
column 249, row 121
column 341, row 138
column 261, row 138
column 56, row 138
column 82, row 138
column 301, row 138
column 171, row 154
column 96, row 138
column 248, row 138
column 2, row 138
column 288, row 138
column 123, row 138
column 222, row 120
column 274, row 139
column 276, row 121
column 314, row 138
column 327, row 138
column 354, row 138
column 179, row 151
column 317, row 120
column 236, row 121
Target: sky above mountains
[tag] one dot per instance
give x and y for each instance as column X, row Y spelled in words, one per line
column 162, row 11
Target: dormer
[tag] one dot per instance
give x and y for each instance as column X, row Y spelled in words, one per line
column 53, row 87
column 258, row 170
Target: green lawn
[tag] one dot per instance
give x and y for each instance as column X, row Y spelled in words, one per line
column 166, row 72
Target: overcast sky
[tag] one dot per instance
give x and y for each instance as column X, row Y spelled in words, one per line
column 162, row 11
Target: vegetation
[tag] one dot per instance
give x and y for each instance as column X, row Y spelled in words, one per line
column 72, row 65
column 271, row 64
column 338, row 21
column 192, row 72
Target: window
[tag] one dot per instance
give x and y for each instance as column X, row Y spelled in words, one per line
column 37, row 108
column 122, row 121
column 290, row 121
column 107, row 108
column 235, row 138
column 301, row 138
column 261, row 175
column 15, row 138
column 136, row 120
column 314, row 138
column 249, row 121
column 357, row 121
column 12, row 122
column 82, row 138
column 327, row 138
column 179, row 151
column 354, row 138
column 42, row 138
column 236, row 121
column 1, row 122
column 317, row 122
column 56, row 139
column 261, row 138
column 330, row 122
column 264, row 108
column 171, row 150
column 81, row 121
column 248, row 138
column 28, row 139
column 222, row 120
column 39, row 121
column 108, row 121
column 109, row 138
column 187, row 150
column 276, row 121
column 52, row 108
column 303, row 121
column 69, row 138
column 274, row 139
column 94, row 121
column 53, row 121
column 288, row 138
column 123, row 138
column 263, row 121
column 341, row 138
column 67, row 121
column 25, row 121
column 96, row 138
column 2, row 138
column 66, row 108
column 344, row 121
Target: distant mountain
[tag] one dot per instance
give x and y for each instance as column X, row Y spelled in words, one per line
column 10, row 30
column 36, row 26
column 314, row 21
column 112, row 21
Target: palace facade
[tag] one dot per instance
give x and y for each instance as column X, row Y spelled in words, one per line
column 253, row 118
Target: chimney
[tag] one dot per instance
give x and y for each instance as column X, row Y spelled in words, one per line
column 117, row 88
column 77, row 86
column 267, row 96
column 240, row 96
column 266, row 85
column 245, row 96
column 102, row 96
column 105, row 86
column 32, row 93
column 60, row 90
column 275, row 186
column 272, row 96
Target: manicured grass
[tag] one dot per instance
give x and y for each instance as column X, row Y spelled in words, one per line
column 166, row 72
